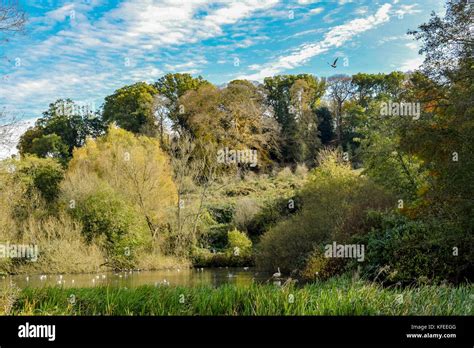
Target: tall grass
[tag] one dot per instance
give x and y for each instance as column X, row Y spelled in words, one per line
column 339, row 296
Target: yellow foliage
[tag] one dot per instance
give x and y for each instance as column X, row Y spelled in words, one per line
column 134, row 166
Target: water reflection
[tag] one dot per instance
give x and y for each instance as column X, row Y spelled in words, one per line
column 176, row 277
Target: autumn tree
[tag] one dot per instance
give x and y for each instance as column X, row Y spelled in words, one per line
column 171, row 87
column 133, row 166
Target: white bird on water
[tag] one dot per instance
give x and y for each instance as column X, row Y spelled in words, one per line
column 277, row 274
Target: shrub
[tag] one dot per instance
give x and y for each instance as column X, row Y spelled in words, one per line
column 238, row 252
column 301, row 170
column 285, row 174
column 238, row 243
column 106, row 215
column 222, row 213
column 417, row 251
column 216, row 237
column 335, row 202
column 245, row 211
column 318, row 266
column 272, row 212
column 41, row 174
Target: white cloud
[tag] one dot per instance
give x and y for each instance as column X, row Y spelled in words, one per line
column 407, row 9
column 412, row 45
column 362, row 10
column 307, row 2
column 411, row 64
column 334, row 38
column 316, row 10
column 85, row 58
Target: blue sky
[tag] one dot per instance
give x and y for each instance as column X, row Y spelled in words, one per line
column 86, row 49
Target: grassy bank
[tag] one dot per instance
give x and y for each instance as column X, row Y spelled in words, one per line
column 335, row 297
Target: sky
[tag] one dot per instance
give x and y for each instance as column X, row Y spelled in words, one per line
column 86, row 49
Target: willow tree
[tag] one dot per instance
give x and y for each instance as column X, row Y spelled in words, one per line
column 133, row 166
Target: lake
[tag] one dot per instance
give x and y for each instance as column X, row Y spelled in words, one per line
column 171, row 277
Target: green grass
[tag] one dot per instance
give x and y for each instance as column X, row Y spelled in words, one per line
column 334, row 297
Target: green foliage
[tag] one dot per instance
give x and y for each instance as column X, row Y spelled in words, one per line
column 417, row 251
column 63, row 127
column 325, row 125
column 238, row 243
column 339, row 296
column 206, row 258
column 294, row 99
column 272, row 212
column 37, row 175
column 132, row 107
column 174, row 86
column 222, row 213
column 50, row 145
column 334, row 204
column 106, row 214
column 319, row 267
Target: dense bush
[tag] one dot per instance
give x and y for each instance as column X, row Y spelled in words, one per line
column 238, row 243
column 238, row 252
column 106, row 215
column 272, row 212
column 417, row 251
column 245, row 210
column 335, row 202
column 41, row 174
column 216, row 237
column 222, row 213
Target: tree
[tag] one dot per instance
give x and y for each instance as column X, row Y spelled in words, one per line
column 443, row 137
column 340, row 90
column 325, row 125
column 306, row 133
column 12, row 18
column 36, row 181
column 132, row 108
column 247, row 123
column 447, row 42
column 174, row 86
column 235, row 117
column 50, row 145
column 279, row 98
column 133, row 166
column 63, row 127
column 370, row 87
column 7, row 127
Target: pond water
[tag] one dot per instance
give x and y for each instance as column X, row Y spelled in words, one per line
column 172, row 277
